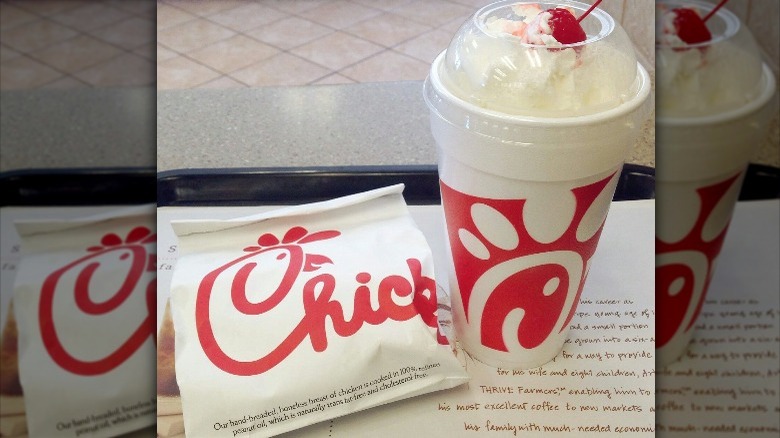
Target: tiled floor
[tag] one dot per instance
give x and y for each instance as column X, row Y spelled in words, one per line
column 228, row 43
column 76, row 43
column 210, row 44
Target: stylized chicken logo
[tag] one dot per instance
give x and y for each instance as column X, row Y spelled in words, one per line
column 519, row 277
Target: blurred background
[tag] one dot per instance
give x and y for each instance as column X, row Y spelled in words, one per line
column 76, row 44
column 77, row 104
column 761, row 16
column 77, row 84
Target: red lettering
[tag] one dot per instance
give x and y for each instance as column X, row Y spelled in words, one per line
column 318, row 305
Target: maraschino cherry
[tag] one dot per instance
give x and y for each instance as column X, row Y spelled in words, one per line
column 566, row 27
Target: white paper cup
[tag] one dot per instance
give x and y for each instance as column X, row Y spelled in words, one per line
column 525, row 199
column 701, row 163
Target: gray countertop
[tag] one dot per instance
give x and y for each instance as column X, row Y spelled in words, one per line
column 359, row 124
column 328, row 125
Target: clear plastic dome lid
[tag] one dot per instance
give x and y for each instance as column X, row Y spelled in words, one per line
column 509, row 58
column 721, row 72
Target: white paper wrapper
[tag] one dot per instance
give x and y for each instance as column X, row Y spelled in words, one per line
column 84, row 299
column 304, row 314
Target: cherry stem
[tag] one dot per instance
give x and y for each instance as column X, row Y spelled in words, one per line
column 596, row 3
column 714, row 10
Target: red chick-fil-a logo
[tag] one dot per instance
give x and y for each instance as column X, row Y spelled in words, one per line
column 684, row 267
column 318, row 302
column 85, row 268
column 522, row 278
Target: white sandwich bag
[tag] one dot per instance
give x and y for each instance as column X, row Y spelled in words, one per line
column 84, row 303
column 304, row 314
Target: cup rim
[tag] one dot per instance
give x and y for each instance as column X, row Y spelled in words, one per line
column 630, row 105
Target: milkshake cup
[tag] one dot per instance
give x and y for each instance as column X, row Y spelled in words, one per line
column 714, row 101
column 531, row 137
